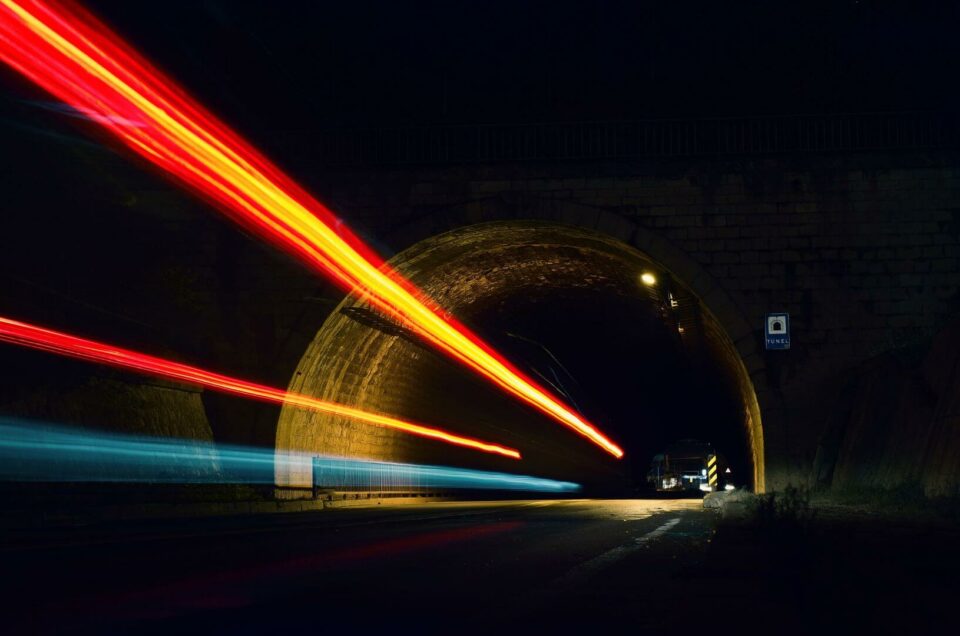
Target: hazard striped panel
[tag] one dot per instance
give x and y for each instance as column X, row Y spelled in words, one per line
column 712, row 470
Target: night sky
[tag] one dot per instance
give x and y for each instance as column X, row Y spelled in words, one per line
column 325, row 64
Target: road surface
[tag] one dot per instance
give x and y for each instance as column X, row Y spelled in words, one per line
column 650, row 566
column 461, row 564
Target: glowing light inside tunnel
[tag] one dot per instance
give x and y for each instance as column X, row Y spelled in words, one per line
column 38, row 451
column 74, row 57
column 648, row 279
column 43, row 339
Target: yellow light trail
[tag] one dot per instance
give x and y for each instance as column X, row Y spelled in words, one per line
column 43, row 339
column 76, row 58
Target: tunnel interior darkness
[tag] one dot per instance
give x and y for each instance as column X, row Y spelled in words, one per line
column 647, row 363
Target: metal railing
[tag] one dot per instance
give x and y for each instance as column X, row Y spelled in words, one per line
column 633, row 139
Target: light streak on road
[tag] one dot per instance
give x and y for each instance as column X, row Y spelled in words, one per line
column 38, row 451
column 35, row 337
column 80, row 61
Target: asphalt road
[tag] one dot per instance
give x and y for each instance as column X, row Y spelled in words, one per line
column 470, row 566
column 646, row 566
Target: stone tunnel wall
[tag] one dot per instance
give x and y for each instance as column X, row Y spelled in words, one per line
column 897, row 426
column 111, row 402
column 364, row 359
column 862, row 251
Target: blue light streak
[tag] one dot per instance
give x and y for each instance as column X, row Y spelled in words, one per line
column 37, row 451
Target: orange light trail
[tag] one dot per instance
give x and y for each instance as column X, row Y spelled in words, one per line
column 73, row 56
column 43, row 339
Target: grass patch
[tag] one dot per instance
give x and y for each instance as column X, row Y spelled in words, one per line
column 905, row 499
column 786, row 511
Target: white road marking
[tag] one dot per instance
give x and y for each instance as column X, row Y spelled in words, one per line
column 588, row 569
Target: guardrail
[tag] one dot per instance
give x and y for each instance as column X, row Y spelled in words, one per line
column 633, row 139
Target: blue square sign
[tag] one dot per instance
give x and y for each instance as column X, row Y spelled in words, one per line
column 777, row 331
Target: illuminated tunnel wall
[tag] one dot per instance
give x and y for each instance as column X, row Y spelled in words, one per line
column 567, row 305
column 93, row 401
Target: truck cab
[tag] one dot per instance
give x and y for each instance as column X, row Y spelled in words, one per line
column 688, row 466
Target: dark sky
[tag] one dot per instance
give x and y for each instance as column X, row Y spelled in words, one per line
column 311, row 64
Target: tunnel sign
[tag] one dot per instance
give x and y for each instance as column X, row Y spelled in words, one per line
column 777, row 331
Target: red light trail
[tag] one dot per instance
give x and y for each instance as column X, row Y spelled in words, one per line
column 43, row 339
column 79, row 60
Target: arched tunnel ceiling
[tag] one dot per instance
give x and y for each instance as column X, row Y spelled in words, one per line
column 519, row 285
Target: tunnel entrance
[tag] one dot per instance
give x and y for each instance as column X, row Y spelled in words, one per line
column 595, row 320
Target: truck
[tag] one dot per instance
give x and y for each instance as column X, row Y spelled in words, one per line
column 689, row 466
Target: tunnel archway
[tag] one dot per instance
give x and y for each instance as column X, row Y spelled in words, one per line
column 649, row 363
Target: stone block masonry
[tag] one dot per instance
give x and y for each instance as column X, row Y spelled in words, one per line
column 862, row 250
